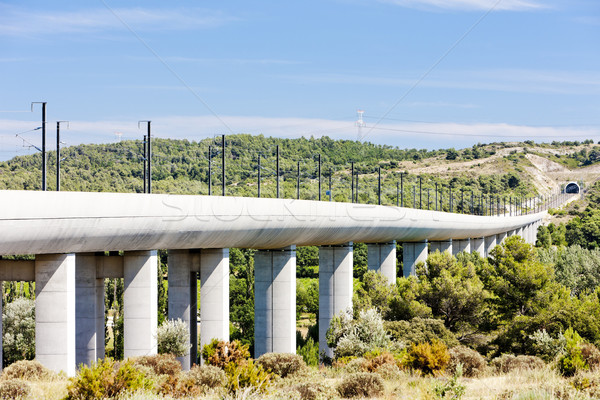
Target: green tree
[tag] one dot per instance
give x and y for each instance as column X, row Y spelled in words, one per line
column 516, row 278
column 307, row 296
column 574, row 266
column 241, row 295
column 373, row 291
column 585, row 230
column 451, row 154
column 544, row 238
column 453, row 291
column 307, row 261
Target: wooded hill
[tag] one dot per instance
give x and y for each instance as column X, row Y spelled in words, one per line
column 182, row 166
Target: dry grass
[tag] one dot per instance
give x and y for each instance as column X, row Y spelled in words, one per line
column 538, row 384
column 49, row 390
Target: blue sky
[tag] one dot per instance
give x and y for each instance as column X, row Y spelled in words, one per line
column 427, row 73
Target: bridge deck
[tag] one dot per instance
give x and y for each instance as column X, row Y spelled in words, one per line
column 35, row 222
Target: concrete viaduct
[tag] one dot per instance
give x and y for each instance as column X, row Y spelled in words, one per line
column 70, row 232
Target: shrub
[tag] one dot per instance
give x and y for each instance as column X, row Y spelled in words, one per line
column 207, row 376
column 389, row 372
column 361, row 384
column 309, row 352
column 106, row 379
column 14, row 389
column 572, row 360
column 246, row 374
column 27, row 370
column 590, row 355
column 429, row 358
column 18, row 326
column 473, row 363
column 173, row 337
column 546, row 346
column 509, row 362
column 282, row 364
column 315, row 391
column 161, row 364
column 177, row 386
column 452, row 388
column 420, row 330
column 354, row 337
column 219, row 353
column 587, row 382
column 375, row 361
column 356, row 365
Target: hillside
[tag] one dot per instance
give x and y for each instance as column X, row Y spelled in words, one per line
column 181, row 166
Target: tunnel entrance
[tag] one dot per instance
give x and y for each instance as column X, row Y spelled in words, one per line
column 572, row 188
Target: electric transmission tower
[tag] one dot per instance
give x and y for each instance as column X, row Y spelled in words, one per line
column 360, row 124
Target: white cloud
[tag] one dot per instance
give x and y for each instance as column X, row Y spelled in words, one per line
column 469, row 5
column 413, row 134
column 503, row 80
column 21, row 21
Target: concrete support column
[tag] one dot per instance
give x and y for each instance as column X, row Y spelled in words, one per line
column 412, row 254
column 441, row 246
column 478, row 246
column 500, row 237
column 214, row 295
column 140, row 303
column 381, row 257
column 183, row 304
column 335, row 287
column 55, row 312
column 490, row 243
column 519, row 232
column 275, row 301
column 527, row 233
column 89, row 310
column 461, row 245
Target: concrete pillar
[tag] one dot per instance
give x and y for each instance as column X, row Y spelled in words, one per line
column 412, row 254
column 335, row 287
column 140, row 303
column 461, row 245
column 55, row 312
column 183, row 303
column 214, row 295
column 519, row 232
column 478, row 246
column 441, row 246
column 381, row 257
column 89, row 310
column 527, row 233
column 500, row 237
column 490, row 243
column 275, row 301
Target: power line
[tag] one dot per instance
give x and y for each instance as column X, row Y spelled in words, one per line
column 440, row 122
column 435, row 64
column 167, row 66
column 477, row 134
